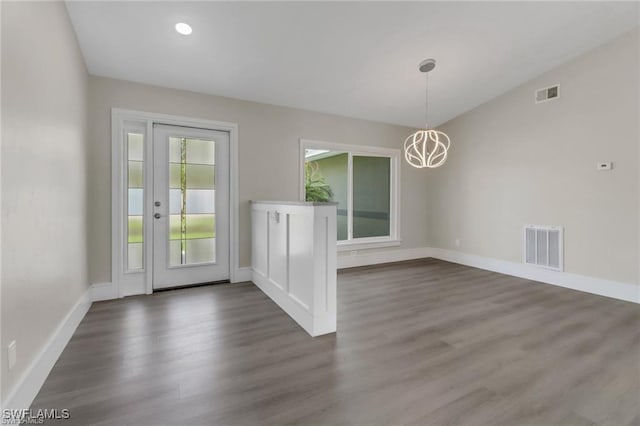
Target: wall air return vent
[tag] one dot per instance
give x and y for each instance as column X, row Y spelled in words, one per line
column 543, row 246
column 547, row 94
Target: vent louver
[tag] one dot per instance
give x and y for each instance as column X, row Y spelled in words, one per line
column 543, row 246
column 547, row 94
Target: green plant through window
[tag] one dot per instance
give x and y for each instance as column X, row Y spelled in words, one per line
column 316, row 187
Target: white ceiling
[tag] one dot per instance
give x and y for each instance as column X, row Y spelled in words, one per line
column 355, row 59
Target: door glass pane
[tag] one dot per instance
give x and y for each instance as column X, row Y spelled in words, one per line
column 201, row 176
column 371, row 196
column 135, row 200
column 201, row 250
column 198, row 151
column 201, row 201
column 135, row 229
column 135, row 146
column 191, row 201
column 198, row 226
column 326, row 179
column 135, row 174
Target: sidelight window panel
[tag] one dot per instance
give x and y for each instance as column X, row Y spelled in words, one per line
column 135, row 147
column 135, row 200
column 135, row 229
column 135, row 252
column 135, row 171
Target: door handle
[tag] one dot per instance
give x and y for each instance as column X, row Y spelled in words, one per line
column 157, row 215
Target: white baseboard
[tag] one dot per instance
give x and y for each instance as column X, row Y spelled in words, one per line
column 364, row 259
column 243, row 274
column 28, row 386
column 103, row 291
column 616, row 290
column 599, row 286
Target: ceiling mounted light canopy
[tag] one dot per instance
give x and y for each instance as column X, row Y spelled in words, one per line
column 184, row 29
column 426, row 148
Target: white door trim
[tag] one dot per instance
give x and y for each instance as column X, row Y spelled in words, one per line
column 118, row 118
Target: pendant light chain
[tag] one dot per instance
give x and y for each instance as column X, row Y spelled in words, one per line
column 426, row 102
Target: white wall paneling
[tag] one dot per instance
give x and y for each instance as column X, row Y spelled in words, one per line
column 294, row 260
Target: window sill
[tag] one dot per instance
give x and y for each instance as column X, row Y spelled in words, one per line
column 362, row 245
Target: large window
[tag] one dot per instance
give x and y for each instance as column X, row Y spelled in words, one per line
column 363, row 181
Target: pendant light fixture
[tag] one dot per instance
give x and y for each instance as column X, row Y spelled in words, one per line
column 426, row 148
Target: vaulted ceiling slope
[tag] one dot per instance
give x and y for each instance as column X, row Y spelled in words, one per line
column 356, row 59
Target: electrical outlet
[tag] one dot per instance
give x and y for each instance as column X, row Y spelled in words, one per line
column 11, row 354
column 353, row 252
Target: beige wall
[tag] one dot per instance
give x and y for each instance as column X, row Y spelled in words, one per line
column 44, row 215
column 268, row 155
column 514, row 163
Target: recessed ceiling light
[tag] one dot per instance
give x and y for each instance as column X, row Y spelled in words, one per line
column 184, row 29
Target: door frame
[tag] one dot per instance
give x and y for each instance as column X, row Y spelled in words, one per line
column 130, row 283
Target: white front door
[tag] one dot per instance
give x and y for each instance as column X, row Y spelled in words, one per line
column 191, row 206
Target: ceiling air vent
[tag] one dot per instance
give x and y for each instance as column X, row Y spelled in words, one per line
column 548, row 93
column 543, row 246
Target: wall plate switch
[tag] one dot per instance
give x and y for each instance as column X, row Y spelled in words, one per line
column 11, row 354
column 457, row 242
column 605, row 165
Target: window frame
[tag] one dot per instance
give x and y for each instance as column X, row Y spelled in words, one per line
column 393, row 239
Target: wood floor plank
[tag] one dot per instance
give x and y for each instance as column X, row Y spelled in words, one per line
column 421, row 342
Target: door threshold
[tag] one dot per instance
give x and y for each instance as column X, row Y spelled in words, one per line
column 181, row 287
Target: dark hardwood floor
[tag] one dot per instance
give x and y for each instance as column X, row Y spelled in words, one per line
column 423, row 342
